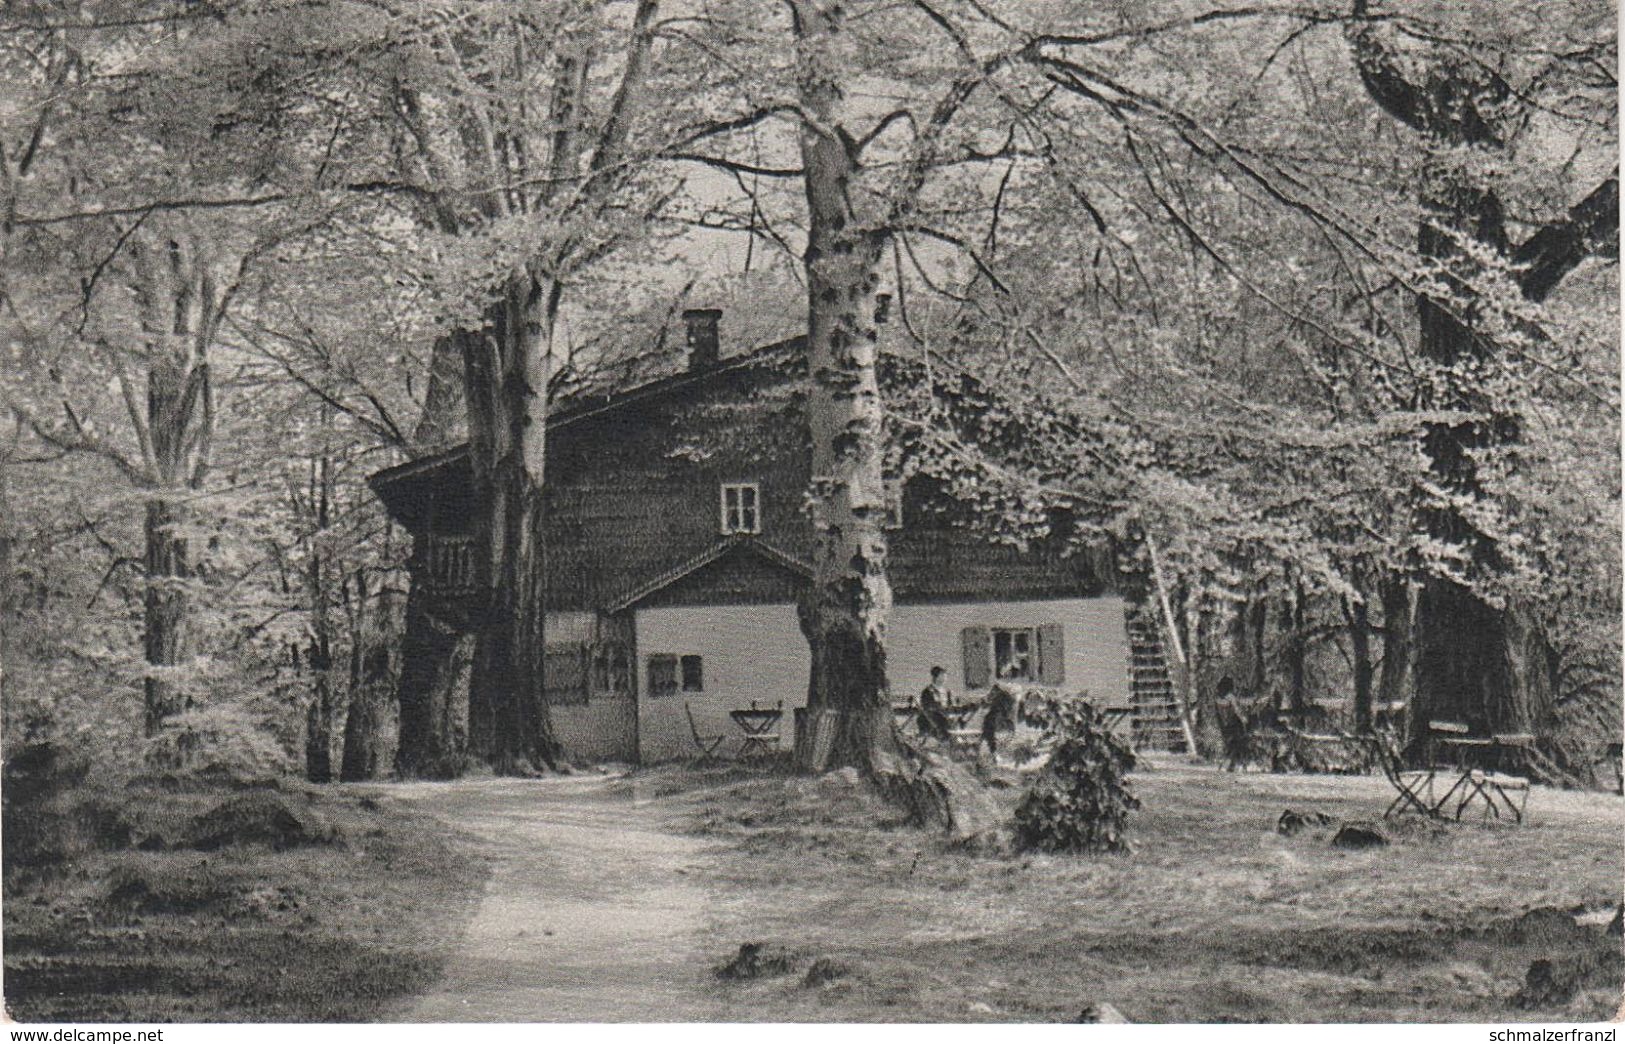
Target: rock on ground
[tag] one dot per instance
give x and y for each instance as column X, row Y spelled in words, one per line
column 1102, row 1013
column 1359, row 835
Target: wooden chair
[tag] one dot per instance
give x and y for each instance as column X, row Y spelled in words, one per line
column 1492, row 785
column 964, row 742
column 1414, row 786
column 706, row 745
column 1447, row 731
column 1498, row 784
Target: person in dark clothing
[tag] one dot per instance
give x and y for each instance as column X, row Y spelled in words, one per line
column 933, row 698
column 999, row 716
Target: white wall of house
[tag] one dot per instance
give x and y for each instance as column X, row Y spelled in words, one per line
column 1094, row 645
column 757, row 652
column 748, row 652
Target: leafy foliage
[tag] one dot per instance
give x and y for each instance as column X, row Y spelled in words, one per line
column 221, row 743
column 1081, row 801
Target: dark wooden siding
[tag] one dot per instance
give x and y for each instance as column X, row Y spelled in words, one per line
column 633, row 494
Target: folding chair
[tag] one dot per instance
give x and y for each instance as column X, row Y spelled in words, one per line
column 706, row 745
column 1414, row 786
column 1492, row 785
column 1495, row 784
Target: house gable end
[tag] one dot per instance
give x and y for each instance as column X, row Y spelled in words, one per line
column 736, row 571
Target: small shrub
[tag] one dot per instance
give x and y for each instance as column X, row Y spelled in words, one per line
column 167, row 887
column 220, row 744
column 822, row 971
column 1080, row 802
column 754, row 961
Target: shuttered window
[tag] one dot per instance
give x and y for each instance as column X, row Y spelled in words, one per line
column 1013, row 654
column 1014, row 651
column 564, row 674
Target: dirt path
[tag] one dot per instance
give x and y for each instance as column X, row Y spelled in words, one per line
column 589, row 914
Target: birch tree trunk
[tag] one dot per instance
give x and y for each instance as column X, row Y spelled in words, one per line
column 507, row 380
column 166, row 610
column 843, row 614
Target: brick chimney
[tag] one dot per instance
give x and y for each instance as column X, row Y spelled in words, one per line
column 703, row 347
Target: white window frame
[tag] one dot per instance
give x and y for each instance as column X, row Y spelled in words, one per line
column 1031, row 634
column 737, row 522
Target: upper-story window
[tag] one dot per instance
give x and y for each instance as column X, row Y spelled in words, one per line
column 741, row 507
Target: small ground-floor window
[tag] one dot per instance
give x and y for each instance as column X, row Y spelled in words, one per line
column 670, row 674
column 662, row 675
column 692, row 669
column 610, row 670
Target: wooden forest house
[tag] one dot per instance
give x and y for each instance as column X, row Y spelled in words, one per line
column 678, row 545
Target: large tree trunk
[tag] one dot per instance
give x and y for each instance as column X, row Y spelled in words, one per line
column 507, row 381
column 843, row 613
column 1398, row 647
column 1359, row 618
column 166, row 612
column 1462, row 659
column 436, row 659
column 1258, row 623
column 363, row 755
column 431, row 691
column 180, row 303
column 1484, row 666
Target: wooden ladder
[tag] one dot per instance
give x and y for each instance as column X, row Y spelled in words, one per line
column 1158, row 722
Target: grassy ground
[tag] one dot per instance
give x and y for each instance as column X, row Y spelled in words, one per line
column 326, row 933
column 1214, row 916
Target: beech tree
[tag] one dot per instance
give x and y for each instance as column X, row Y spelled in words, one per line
column 1479, row 657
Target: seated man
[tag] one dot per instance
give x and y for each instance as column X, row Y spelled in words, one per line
column 933, row 698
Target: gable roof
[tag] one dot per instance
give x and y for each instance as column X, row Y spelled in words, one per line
column 737, row 544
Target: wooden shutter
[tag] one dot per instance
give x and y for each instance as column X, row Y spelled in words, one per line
column 1051, row 655
column 975, row 645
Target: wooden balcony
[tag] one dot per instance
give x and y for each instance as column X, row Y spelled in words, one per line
column 448, row 566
